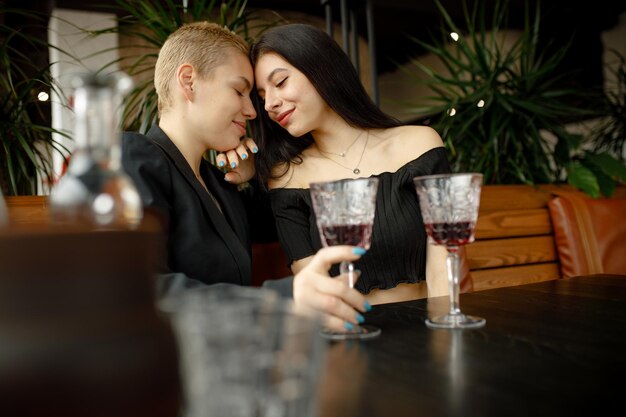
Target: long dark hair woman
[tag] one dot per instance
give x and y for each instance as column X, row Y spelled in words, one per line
column 316, row 123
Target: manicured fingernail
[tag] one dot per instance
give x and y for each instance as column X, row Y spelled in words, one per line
column 255, row 149
column 233, row 164
column 222, row 163
column 360, row 318
column 348, row 326
column 368, row 306
column 359, row 251
column 244, row 156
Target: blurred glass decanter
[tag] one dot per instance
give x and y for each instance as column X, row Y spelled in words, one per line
column 95, row 191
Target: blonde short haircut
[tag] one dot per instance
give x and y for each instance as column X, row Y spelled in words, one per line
column 203, row 45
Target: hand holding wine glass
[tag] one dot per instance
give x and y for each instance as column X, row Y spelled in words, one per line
column 344, row 212
column 449, row 205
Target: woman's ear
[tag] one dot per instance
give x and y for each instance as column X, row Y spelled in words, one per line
column 185, row 76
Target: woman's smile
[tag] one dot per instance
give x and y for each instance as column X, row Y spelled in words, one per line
column 284, row 117
column 241, row 126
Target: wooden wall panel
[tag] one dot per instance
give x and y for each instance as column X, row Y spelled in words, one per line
column 485, row 279
column 510, row 252
column 513, row 197
column 27, row 210
column 507, row 223
column 514, row 237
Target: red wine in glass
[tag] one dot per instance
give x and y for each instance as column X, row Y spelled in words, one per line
column 449, row 204
column 451, row 233
column 348, row 234
column 344, row 212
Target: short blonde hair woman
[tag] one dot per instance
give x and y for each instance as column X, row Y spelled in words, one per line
column 203, row 78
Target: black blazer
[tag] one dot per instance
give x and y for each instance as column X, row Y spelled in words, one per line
column 202, row 242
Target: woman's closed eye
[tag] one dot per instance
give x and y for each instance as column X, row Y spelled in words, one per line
column 281, row 82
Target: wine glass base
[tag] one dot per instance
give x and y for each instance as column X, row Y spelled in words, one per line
column 455, row 321
column 360, row 332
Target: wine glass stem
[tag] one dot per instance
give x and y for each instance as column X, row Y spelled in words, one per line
column 452, row 260
column 347, row 267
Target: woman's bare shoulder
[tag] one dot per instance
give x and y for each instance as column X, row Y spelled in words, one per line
column 420, row 137
column 414, row 140
column 407, row 143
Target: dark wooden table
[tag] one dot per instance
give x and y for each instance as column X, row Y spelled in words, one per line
column 555, row 348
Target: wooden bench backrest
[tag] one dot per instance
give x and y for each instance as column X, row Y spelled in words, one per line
column 514, row 238
column 27, row 211
column 31, row 212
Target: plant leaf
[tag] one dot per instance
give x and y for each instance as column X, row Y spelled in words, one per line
column 583, row 178
column 609, row 165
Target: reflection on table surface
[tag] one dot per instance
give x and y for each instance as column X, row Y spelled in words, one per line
column 548, row 348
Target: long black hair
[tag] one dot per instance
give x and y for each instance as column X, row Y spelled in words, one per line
column 328, row 68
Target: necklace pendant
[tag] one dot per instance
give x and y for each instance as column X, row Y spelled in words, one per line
column 356, row 171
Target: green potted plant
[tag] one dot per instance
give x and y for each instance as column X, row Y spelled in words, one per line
column 498, row 106
column 26, row 138
column 610, row 136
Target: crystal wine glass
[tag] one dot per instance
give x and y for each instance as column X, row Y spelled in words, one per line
column 449, row 205
column 344, row 211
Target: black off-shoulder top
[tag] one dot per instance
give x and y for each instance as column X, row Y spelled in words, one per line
column 398, row 250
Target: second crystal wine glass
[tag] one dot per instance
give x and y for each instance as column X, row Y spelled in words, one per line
column 344, row 212
column 449, row 205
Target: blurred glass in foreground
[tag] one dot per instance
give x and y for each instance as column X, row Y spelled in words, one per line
column 245, row 352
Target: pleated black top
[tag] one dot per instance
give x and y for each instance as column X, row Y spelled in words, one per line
column 398, row 250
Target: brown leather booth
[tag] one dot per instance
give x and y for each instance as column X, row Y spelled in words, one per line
column 590, row 233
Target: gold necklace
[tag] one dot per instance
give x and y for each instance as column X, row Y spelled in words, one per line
column 344, row 153
column 355, row 170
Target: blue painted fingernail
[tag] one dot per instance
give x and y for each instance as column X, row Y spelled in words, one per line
column 233, row 164
column 244, row 156
column 359, row 251
column 368, row 306
column 348, row 326
column 255, row 149
column 360, row 318
column 222, row 163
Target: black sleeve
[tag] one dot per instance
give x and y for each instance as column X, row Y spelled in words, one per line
column 435, row 161
column 149, row 170
column 293, row 223
column 259, row 211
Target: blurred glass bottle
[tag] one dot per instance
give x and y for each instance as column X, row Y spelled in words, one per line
column 95, row 191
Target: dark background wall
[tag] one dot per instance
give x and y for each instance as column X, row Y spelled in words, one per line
column 563, row 20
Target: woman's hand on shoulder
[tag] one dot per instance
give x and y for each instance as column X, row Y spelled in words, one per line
column 239, row 162
column 314, row 289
